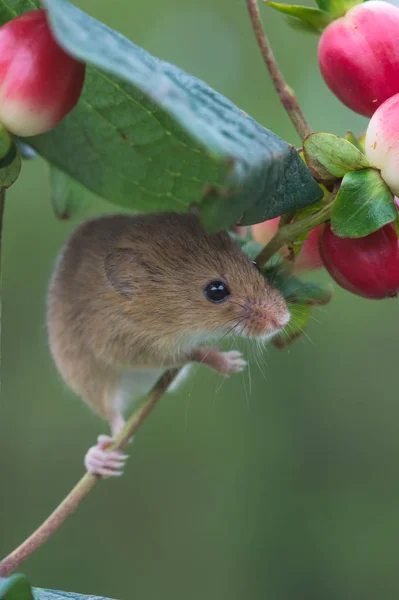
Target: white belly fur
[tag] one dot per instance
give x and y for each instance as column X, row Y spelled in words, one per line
column 138, row 383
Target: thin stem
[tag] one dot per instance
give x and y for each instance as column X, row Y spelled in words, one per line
column 291, row 232
column 285, row 93
column 87, row 483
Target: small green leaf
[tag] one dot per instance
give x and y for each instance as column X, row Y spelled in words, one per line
column 67, row 194
column 363, row 204
column 44, row 594
column 314, row 19
column 10, row 167
column 350, row 136
column 15, row 587
column 147, row 136
column 295, row 290
column 300, row 314
column 329, row 155
column 337, row 8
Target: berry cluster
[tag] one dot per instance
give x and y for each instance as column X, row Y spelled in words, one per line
column 358, row 56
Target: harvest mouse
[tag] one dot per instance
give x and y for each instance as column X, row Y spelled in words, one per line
column 133, row 295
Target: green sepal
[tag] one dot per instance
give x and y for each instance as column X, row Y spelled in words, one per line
column 329, row 157
column 363, row 204
column 311, row 19
column 350, row 136
column 337, row 8
column 16, row 587
column 67, row 195
column 10, row 166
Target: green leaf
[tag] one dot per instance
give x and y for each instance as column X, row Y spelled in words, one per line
column 337, row 8
column 44, row 594
column 67, row 194
column 292, row 180
column 313, row 19
column 295, row 290
column 148, row 136
column 363, row 204
column 350, row 136
column 329, row 155
column 300, row 315
column 10, row 166
column 15, row 587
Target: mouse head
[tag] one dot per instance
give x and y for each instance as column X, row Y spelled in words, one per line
column 179, row 279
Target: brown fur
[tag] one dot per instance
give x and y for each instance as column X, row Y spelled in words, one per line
column 127, row 292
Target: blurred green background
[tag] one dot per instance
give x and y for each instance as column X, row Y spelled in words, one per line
column 281, row 483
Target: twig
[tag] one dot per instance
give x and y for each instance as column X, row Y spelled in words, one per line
column 87, row 483
column 285, row 93
column 289, row 233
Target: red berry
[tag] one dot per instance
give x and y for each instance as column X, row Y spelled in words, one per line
column 39, row 82
column 359, row 56
column 367, row 266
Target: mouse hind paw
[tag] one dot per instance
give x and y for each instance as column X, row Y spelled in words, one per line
column 100, row 462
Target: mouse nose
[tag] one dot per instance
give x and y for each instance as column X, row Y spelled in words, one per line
column 281, row 321
column 266, row 319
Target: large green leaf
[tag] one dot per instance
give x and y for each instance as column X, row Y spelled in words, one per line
column 67, row 194
column 16, row 587
column 363, row 204
column 148, row 136
column 43, row 594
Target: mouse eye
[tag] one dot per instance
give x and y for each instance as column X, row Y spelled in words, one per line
column 217, row 291
column 255, row 264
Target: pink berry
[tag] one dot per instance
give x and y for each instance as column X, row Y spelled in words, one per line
column 263, row 232
column 309, row 257
column 39, row 82
column 367, row 266
column 359, row 56
column 382, row 142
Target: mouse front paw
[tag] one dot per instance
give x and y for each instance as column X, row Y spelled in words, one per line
column 232, row 362
column 222, row 362
column 101, row 462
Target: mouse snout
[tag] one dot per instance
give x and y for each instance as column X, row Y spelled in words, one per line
column 281, row 321
column 266, row 318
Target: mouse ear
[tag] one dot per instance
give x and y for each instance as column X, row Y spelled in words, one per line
column 119, row 266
